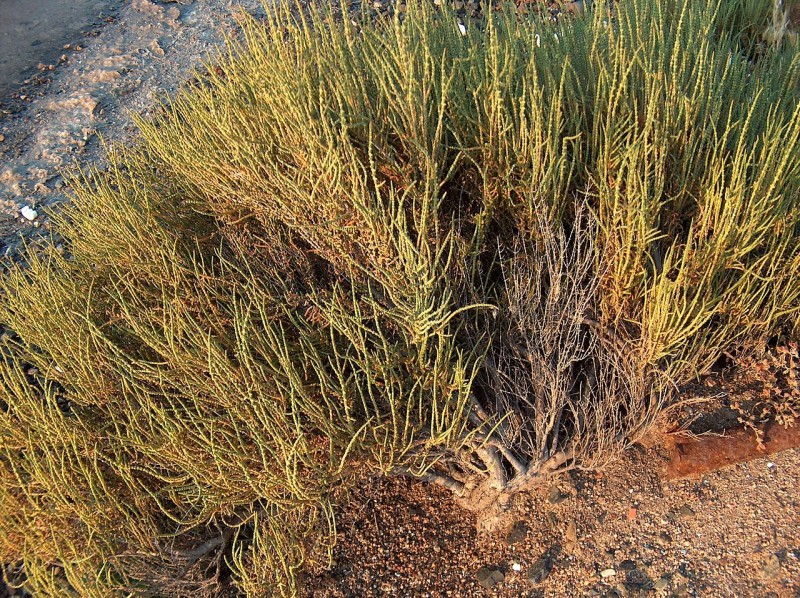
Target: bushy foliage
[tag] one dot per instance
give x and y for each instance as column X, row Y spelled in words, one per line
column 474, row 258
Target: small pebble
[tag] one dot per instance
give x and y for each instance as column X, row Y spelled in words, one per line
column 29, row 213
column 488, row 578
column 606, row 573
column 662, row 583
column 627, row 565
column 571, row 535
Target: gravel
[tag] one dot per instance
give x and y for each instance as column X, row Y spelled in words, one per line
column 742, row 539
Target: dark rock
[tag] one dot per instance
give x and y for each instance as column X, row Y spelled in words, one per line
column 627, row 565
column 488, row 578
column 517, row 534
column 555, row 496
column 541, row 568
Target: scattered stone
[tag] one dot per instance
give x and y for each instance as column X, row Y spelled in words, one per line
column 488, row 578
column 632, row 512
column 665, row 537
column 606, row 573
column 571, row 534
column 555, row 496
column 516, row 567
column 541, row 569
column 517, row 534
column 686, row 511
column 637, row 579
column 661, row 584
column 771, row 567
column 2, row 138
column 627, row 565
column 28, row 213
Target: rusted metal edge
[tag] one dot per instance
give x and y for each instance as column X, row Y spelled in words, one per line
column 699, row 455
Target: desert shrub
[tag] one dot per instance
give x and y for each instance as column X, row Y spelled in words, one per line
column 474, row 257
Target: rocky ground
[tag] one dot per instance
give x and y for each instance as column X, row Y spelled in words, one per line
column 622, row 531
column 618, row 532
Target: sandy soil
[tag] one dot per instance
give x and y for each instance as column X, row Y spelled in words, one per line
column 619, row 532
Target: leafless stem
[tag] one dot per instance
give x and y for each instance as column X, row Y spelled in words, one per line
column 433, row 477
column 508, row 455
column 489, row 455
column 538, row 471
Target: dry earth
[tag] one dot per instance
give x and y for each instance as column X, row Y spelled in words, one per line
column 622, row 531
